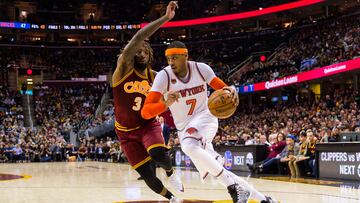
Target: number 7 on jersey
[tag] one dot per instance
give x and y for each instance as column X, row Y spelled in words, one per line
column 191, row 102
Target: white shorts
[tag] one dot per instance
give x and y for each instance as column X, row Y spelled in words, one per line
column 205, row 124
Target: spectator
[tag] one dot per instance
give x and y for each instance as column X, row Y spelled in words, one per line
column 288, row 153
column 18, row 153
column 82, row 153
column 294, row 164
column 268, row 164
column 165, row 129
column 310, row 163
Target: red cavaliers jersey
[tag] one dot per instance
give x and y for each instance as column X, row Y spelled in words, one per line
column 129, row 97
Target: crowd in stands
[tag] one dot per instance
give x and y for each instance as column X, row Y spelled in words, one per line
column 324, row 43
column 59, row 112
column 11, row 111
column 65, row 108
column 41, row 146
column 64, row 63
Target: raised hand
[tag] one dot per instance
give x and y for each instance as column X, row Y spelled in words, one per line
column 170, row 9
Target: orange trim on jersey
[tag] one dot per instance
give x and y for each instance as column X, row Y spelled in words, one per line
column 141, row 163
column 123, row 78
column 176, row 51
column 153, row 105
column 154, row 146
column 152, row 77
column 216, row 83
column 119, row 127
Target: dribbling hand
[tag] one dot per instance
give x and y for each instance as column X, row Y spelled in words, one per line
column 234, row 94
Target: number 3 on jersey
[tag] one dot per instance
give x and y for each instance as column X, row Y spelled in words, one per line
column 137, row 105
column 191, row 102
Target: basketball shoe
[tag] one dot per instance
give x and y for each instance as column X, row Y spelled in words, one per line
column 238, row 193
column 175, row 200
column 175, row 182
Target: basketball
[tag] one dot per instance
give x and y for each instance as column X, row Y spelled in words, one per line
column 220, row 104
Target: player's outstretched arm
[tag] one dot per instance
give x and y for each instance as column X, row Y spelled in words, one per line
column 126, row 59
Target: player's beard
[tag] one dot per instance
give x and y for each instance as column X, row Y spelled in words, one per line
column 140, row 66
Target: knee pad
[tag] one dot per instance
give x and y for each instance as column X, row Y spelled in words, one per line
column 158, row 154
column 145, row 170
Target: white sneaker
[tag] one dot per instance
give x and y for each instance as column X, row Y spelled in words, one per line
column 270, row 200
column 175, row 200
column 176, row 183
column 238, row 193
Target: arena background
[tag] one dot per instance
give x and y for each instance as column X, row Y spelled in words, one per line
column 295, row 65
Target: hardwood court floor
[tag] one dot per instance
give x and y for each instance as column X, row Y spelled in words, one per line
column 110, row 183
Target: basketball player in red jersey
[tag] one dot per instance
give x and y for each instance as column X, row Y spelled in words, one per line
column 141, row 139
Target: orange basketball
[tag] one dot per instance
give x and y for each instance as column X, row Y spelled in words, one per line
column 220, row 104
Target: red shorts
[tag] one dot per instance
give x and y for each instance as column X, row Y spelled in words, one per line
column 137, row 143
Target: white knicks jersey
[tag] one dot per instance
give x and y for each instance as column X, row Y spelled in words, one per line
column 193, row 92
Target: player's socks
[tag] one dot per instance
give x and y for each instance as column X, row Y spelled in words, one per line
column 225, row 178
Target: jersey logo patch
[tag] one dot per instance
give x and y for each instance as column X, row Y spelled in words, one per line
column 142, row 87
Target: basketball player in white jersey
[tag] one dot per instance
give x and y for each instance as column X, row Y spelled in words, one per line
column 184, row 84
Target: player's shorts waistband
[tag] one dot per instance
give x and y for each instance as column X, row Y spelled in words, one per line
column 119, row 127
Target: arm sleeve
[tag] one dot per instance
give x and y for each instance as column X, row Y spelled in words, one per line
column 153, row 105
column 216, row 83
column 210, row 77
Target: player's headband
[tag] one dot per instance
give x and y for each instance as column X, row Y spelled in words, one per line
column 175, row 51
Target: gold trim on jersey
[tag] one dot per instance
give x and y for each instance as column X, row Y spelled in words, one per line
column 140, row 75
column 119, row 127
column 154, row 146
column 123, row 78
column 141, row 163
column 152, row 75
